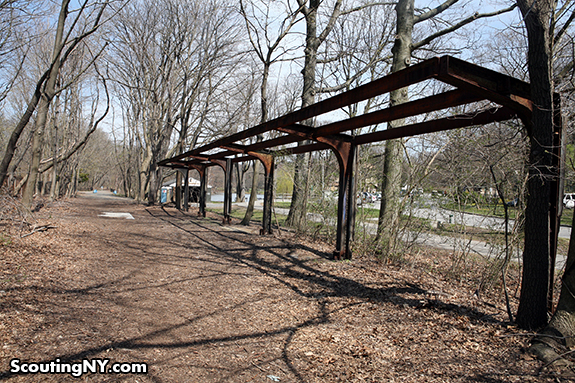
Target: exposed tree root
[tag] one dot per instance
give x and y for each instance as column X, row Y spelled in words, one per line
column 549, row 350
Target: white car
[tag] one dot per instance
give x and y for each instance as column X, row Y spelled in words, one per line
column 368, row 197
column 569, row 200
column 365, row 197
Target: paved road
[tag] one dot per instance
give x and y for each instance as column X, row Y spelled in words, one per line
column 105, row 194
column 452, row 243
column 473, row 220
column 436, row 214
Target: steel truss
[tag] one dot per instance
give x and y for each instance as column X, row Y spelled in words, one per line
column 470, row 84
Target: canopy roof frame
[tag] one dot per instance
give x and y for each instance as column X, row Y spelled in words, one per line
column 471, row 83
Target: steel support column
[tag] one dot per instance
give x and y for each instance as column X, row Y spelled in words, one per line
column 227, row 168
column 228, row 191
column 178, row 189
column 203, row 171
column 269, row 164
column 186, row 189
column 203, row 180
column 268, row 161
column 345, row 153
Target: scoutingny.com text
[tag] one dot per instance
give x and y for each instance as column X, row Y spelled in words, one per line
column 77, row 369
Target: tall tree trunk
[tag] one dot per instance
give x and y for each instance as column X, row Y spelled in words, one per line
column 178, row 189
column 393, row 160
column 532, row 310
column 37, row 142
column 240, row 188
column 263, row 118
column 45, row 100
column 71, row 192
column 559, row 335
column 298, row 199
column 53, row 195
column 15, row 136
column 155, row 179
column 144, row 176
column 298, row 207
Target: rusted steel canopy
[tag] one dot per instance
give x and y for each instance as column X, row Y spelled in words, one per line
column 473, row 83
column 468, row 83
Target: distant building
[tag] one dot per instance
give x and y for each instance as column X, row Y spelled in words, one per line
column 194, row 184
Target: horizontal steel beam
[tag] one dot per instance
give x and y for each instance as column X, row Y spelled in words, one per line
column 412, row 75
column 302, row 149
column 412, row 108
column 494, row 86
column 474, row 83
column 448, row 123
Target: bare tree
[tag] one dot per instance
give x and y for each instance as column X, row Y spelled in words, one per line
column 402, row 51
column 540, row 21
column 172, row 60
column 16, row 39
column 65, row 42
column 75, row 131
column 259, row 22
column 313, row 40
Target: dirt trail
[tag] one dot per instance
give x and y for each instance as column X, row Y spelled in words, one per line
column 202, row 302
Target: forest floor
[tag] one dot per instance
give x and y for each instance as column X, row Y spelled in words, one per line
column 201, row 302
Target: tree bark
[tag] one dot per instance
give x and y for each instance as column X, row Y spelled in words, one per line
column 297, row 209
column 298, row 200
column 532, row 310
column 393, row 160
column 37, row 142
column 240, row 189
column 559, row 336
column 45, row 100
column 53, row 191
column 15, row 136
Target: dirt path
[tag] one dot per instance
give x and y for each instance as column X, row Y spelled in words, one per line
column 201, row 302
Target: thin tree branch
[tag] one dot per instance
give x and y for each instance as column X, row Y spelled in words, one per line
column 331, row 23
column 359, row 8
column 564, row 28
column 92, row 128
column 434, row 12
column 462, row 23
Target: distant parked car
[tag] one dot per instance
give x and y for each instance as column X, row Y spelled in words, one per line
column 368, row 197
column 569, row 200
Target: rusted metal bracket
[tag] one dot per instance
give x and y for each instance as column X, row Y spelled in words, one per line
column 310, row 133
column 226, row 166
column 268, row 161
column 345, row 153
column 494, row 86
